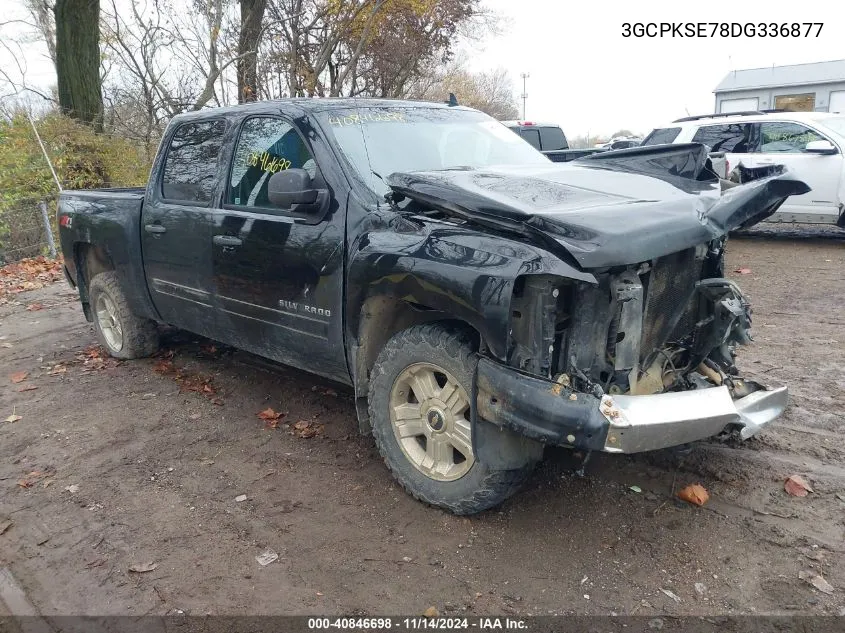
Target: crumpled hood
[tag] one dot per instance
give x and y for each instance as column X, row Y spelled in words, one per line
column 611, row 208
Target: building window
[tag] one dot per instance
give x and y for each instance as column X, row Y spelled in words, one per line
column 727, row 106
column 796, row 103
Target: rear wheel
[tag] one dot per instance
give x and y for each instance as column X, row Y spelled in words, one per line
column 123, row 334
column 420, row 408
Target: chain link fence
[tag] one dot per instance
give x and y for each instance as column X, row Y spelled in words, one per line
column 27, row 229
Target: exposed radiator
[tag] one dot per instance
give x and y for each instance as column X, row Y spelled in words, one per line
column 670, row 284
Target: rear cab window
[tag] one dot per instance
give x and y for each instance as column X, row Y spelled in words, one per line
column 552, row 139
column 532, row 135
column 190, row 168
column 662, row 136
column 729, row 137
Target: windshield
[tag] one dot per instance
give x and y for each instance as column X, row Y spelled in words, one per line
column 379, row 141
column 837, row 124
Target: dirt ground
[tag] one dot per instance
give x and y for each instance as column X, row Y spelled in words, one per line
column 120, row 464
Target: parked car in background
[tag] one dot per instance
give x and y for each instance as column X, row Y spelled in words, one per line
column 622, row 142
column 549, row 139
column 809, row 144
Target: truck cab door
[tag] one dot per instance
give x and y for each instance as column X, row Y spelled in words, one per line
column 278, row 272
column 176, row 226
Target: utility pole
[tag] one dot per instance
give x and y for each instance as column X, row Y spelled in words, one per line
column 524, row 95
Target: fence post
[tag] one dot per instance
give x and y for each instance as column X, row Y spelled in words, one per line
column 45, row 218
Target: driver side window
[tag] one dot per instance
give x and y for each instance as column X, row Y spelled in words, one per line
column 266, row 145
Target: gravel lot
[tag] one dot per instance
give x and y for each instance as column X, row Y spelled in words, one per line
column 120, row 464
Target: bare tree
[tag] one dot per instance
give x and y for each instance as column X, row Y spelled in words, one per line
column 491, row 92
column 252, row 15
column 44, row 20
column 78, row 59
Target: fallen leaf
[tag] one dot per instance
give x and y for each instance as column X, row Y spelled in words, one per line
column 817, row 581
column 72, row 489
column 269, row 414
column 267, row 557
column 27, row 388
column 163, row 366
column 24, row 483
column 695, row 494
column 672, row 595
column 13, row 418
column 635, row 489
column 431, row 612
column 797, row 486
column 240, row 498
column 57, row 369
column 306, row 429
column 18, row 376
column 32, row 307
column 142, row 568
column 743, row 271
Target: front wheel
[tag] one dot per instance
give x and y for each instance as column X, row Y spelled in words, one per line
column 420, row 410
column 123, row 334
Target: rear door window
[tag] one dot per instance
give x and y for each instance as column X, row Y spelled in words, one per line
column 731, row 137
column 552, row 139
column 532, row 136
column 786, row 138
column 662, row 135
column 190, row 169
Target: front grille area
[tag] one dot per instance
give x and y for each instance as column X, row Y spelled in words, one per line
column 670, row 284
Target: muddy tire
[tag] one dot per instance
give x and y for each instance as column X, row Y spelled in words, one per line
column 121, row 333
column 420, row 413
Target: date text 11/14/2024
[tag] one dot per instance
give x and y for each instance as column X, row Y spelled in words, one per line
column 418, row 623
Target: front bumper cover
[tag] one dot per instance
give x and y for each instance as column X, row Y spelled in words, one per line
column 545, row 411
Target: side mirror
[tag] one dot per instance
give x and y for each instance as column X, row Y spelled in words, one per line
column 820, row 147
column 291, row 189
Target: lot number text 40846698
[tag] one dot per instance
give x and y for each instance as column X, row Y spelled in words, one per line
column 722, row 29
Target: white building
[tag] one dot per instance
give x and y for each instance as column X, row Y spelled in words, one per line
column 818, row 87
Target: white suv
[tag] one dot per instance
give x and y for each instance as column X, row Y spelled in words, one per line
column 810, row 144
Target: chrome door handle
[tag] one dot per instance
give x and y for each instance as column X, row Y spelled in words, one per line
column 156, row 229
column 227, row 240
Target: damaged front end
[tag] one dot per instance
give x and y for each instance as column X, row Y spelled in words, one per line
column 642, row 360
column 641, row 356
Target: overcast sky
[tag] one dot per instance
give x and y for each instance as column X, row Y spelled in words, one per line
column 589, row 78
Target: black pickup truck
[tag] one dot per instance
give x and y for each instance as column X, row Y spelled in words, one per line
column 481, row 301
column 550, row 140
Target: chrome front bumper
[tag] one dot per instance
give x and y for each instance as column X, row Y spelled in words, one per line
column 645, row 423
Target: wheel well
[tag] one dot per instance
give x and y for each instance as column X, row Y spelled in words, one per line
column 381, row 318
column 90, row 261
